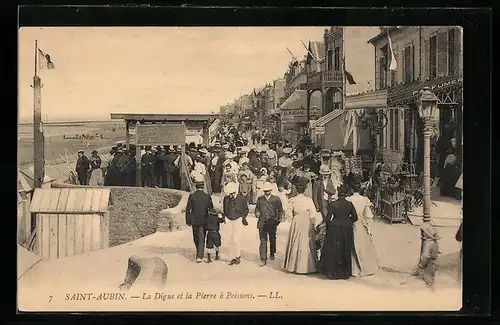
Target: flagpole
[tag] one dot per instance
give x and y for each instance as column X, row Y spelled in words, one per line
column 38, row 139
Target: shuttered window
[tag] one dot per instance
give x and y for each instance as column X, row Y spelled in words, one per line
column 452, row 52
column 391, row 129
column 377, row 70
column 383, row 72
column 337, row 58
column 394, row 78
column 426, row 59
column 442, row 54
column 396, row 129
column 330, row 60
column 433, row 57
column 409, row 64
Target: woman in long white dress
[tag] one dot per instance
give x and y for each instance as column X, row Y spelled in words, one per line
column 300, row 252
column 365, row 260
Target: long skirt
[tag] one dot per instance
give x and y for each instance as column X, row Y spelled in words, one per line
column 365, row 260
column 96, row 178
column 208, row 184
column 300, row 252
column 336, row 262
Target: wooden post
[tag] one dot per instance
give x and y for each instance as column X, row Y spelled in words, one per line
column 138, row 159
column 206, row 134
column 127, row 135
column 39, row 143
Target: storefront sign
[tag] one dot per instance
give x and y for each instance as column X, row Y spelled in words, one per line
column 160, row 134
column 320, row 130
column 410, row 93
column 299, row 115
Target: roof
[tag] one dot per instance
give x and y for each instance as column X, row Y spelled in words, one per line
column 384, row 33
column 163, row 117
column 325, row 119
column 70, row 200
column 29, row 176
column 22, row 183
column 317, row 49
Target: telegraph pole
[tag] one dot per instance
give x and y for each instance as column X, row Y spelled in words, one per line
column 39, row 141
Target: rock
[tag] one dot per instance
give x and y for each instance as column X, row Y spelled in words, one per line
column 150, row 271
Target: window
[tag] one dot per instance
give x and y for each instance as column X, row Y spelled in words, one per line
column 433, row 57
column 408, row 69
column 383, row 72
column 391, row 128
column 337, row 58
column 330, row 60
column 396, row 130
column 451, row 52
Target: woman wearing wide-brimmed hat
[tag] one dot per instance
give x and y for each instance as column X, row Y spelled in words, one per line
column 96, row 176
column 300, row 253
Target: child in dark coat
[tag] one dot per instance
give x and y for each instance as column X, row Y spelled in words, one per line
column 214, row 240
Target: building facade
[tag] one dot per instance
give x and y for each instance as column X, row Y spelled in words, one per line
column 426, row 56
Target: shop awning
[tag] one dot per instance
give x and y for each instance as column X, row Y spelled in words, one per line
column 324, row 120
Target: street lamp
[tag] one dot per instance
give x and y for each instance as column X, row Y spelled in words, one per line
column 426, row 109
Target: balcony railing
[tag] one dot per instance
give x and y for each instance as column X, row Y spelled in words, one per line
column 325, row 77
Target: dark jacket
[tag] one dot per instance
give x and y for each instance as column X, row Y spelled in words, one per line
column 235, row 208
column 198, row 205
column 317, row 195
column 341, row 213
column 271, row 209
column 82, row 164
column 458, row 235
column 213, row 222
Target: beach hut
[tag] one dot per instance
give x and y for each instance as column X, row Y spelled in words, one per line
column 71, row 221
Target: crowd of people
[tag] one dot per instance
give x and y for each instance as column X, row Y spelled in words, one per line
column 329, row 217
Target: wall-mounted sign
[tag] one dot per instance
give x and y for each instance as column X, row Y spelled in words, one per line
column 160, row 134
column 320, row 130
column 410, row 93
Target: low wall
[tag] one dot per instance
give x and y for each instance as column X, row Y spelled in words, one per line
column 136, row 212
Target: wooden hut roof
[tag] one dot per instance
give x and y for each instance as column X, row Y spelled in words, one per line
column 70, row 200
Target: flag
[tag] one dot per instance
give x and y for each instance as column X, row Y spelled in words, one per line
column 349, row 78
column 44, row 60
column 393, row 65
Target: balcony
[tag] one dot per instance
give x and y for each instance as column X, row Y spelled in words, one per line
column 332, row 78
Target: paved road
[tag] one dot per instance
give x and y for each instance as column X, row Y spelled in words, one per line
column 103, row 271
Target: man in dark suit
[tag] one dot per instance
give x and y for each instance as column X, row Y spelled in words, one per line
column 197, row 209
column 82, row 167
column 323, row 191
column 269, row 211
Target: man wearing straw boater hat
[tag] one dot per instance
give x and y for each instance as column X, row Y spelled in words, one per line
column 269, row 212
column 235, row 208
column 198, row 207
column 324, row 191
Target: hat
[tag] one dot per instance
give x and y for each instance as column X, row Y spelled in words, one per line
column 203, row 151
column 325, row 170
column 244, row 149
column 325, row 153
column 287, row 150
column 263, row 170
column 267, row 187
column 244, row 160
column 94, row 152
column 257, row 149
column 81, row 150
column 119, row 144
column 338, row 154
column 231, row 188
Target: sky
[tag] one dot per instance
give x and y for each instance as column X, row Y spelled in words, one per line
column 103, row 70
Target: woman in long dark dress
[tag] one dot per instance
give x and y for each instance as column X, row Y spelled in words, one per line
column 336, row 254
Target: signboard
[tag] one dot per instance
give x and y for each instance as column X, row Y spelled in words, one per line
column 320, row 130
column 407, row 94
column 160, row 134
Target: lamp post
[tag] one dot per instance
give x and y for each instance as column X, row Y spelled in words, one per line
column 426, row 109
